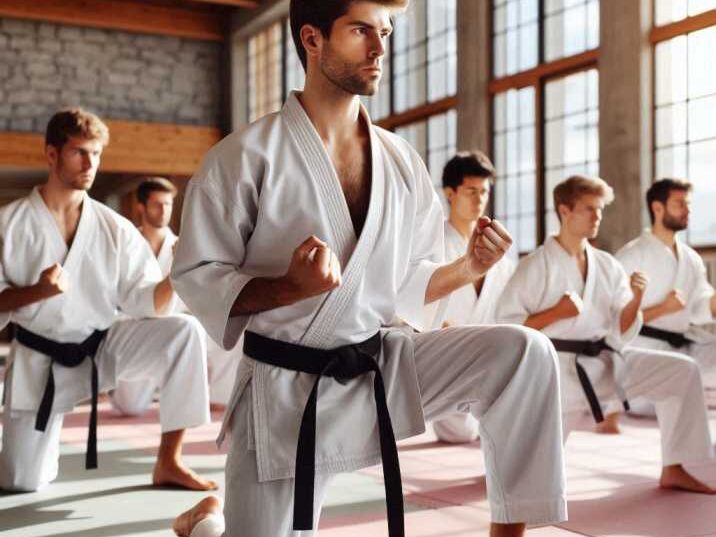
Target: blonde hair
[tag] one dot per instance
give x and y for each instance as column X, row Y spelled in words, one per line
column 569, row 191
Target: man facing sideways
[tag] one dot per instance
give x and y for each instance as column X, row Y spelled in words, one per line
column 467, row 183
column 156, row 201
column 679, row 299
column 313, row 230
column 583, row 300
column 68, row 264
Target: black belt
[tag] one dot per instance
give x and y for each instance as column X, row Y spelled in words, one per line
column 675, row 339
column 591, row 349
column 66, row 355
column 343, row 364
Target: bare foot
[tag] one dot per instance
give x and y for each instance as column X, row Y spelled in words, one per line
column 175, row 474
column 675, row 477
column 184, row 523
column 217, row 407
column 610, row 425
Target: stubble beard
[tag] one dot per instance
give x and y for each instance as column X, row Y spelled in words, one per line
column 673, row 223
column 346, row 75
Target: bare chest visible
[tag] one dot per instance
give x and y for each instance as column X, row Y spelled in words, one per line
column 353, row 167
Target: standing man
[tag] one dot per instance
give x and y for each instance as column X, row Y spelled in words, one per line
column 583, row 300
column 156, row 201
column 313, row 229
column 67, row 265
column 467, row 183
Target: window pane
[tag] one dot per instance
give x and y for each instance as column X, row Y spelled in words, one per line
column 571, row 27
column 514, row 198
column 442, row 48
column 673, row 10
column 442, row 136
column 265, row 83
column 410, row 56
column 515, row 36
column 571, row 132
column 685, row 123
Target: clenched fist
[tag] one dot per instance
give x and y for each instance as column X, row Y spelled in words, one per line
column 674, row 301
column 570, row 305
column 52, row 282
column 638, row 282
column 314, row 269
column 488, row 243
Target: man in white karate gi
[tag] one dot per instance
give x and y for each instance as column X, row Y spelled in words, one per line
column 132, row 397
column 679, row 300
column 314, row 230
column 467, row 182
column 68, row 265
column 583, row 300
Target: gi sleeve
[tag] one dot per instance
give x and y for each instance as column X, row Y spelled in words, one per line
column 525, row 286
column 5, row 316
column 138, row 275
column 426, row 255
column 219, row 215
column 700, row 298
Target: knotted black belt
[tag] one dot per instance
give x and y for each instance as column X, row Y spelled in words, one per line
column 675, row 339
column 342, row 364
column 66, row 355
column 591, row 349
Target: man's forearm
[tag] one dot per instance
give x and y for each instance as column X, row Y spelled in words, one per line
column 543, row 319
column 15, row 298
column 653, row 312
column 263, row 294
column 629, row 314
column 447, row 279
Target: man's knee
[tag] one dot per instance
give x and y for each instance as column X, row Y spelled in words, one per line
column 528, row 347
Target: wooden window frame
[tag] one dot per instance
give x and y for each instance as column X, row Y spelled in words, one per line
column 536, row 77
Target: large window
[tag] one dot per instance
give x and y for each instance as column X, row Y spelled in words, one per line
column 685, row 110
column 545, row 107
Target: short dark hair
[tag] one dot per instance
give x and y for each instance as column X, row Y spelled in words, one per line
column 662, row 189
column 70, row 122
column 154, row 184
column 322, row 14
column 467, row 164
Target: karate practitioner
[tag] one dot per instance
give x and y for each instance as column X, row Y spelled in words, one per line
column 67, row 265
column 582, row 299
column 467, row 182
column 132, row 397
column 313, row 230
column 679, row 299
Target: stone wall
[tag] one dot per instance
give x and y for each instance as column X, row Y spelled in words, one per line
column 116, row 74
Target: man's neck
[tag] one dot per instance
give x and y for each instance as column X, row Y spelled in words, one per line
column 574, row 245
column 463, row 227
column 60, row 199
column 667, row 236
column 154, row 234
column 333, row 112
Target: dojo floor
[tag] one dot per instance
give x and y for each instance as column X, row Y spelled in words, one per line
column 611, row 483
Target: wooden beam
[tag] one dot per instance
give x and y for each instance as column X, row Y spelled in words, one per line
column 418, row 113
column 251, row 4
column 134, row 148
column 560, row 67
column 121, row 15
column 684, row 26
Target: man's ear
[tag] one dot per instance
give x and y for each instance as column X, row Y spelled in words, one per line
column 52, row 154
column 450, row 193
column 312, row 40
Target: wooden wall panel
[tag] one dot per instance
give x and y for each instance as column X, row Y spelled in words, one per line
column 134, row 148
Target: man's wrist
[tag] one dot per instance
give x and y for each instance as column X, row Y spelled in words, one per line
column 287, row 291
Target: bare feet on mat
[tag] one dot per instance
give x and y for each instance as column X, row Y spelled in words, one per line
column 175, row 474
column 184, row 523
column 610, row 425
column 675, row 477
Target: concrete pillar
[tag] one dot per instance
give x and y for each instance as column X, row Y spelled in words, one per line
column 625, row 111
column 473, row 70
